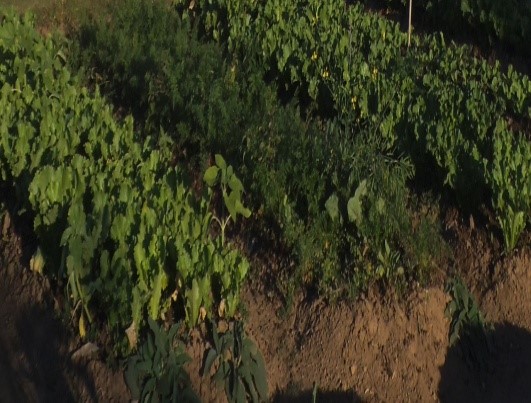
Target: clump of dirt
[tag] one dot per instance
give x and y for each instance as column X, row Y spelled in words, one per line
column 510, row 300
column 36, row 361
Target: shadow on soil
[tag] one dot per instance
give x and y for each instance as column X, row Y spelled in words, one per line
column 322, row 397
column 35, row 364
column 501, row 374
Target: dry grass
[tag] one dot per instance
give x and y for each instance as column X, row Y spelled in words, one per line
column 62, row 14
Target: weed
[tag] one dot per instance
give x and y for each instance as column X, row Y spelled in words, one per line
column 232, row 189
column 468, row 326
column 156, row 373
column 240, row 365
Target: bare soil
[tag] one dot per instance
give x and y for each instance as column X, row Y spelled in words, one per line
column 37, row 347
column 385, row 348
column 380, row 348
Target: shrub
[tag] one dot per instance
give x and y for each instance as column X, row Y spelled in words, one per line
column 154, row 65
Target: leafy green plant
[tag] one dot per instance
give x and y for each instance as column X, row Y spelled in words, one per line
column 468, row 326
column 231, row 189
column 115, row 221
column 511, row 180
column 156, row 372
column 433, row 103
column 240, row 365
column 270, row 143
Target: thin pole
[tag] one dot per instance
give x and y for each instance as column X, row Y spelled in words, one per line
column 409, row 24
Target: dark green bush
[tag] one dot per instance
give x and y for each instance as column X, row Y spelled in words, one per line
column 155, row 66
column 159, row 67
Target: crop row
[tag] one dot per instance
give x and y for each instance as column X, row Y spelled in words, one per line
column 496, row 21
column 113, row 218
column 434, row 102
column 337, row 199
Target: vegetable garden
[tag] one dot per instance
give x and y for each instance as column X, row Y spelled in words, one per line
column 159, row 149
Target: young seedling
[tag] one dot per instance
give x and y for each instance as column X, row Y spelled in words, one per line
column 232, row 190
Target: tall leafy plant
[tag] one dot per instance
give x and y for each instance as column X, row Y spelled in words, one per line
column 240, row 366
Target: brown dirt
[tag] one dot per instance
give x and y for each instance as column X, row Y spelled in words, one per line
column 387, row 349
column 373, row 350
column 36, row 347
column 377, row 349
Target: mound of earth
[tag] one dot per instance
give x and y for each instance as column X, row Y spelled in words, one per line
column 38, row 360
column 376, row 349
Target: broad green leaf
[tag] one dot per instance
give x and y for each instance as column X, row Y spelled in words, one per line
column 230, row 203
column 131, row 377
column 239, row 391
column 220, row 162
column 242, row 210
column 245, row 373
column 211, row 357
column 156, row 293
column 194, row 302
column 211, row 175
column 235, row 184
column 332, row 207
column 136, row 307
column 354, row 205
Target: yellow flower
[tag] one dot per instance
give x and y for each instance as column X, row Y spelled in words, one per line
column 354, row 100
column 326, row 73
column 314, row 56
column 374, row 72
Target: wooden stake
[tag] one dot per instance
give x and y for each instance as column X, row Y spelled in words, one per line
column 409, row 24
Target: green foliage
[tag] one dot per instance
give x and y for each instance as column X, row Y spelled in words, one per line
column 156, row 372
column 503, row 21
column 511, row 181
column 434, row 102
column 240, row 365
column 468, row 326
column 113, row 218
column 155, row 66
column 307, row 175
column 231, row 189
column 272, row 145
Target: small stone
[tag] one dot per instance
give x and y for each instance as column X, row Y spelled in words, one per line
column 88, row 351
column 7, row 224
column 353, row 369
